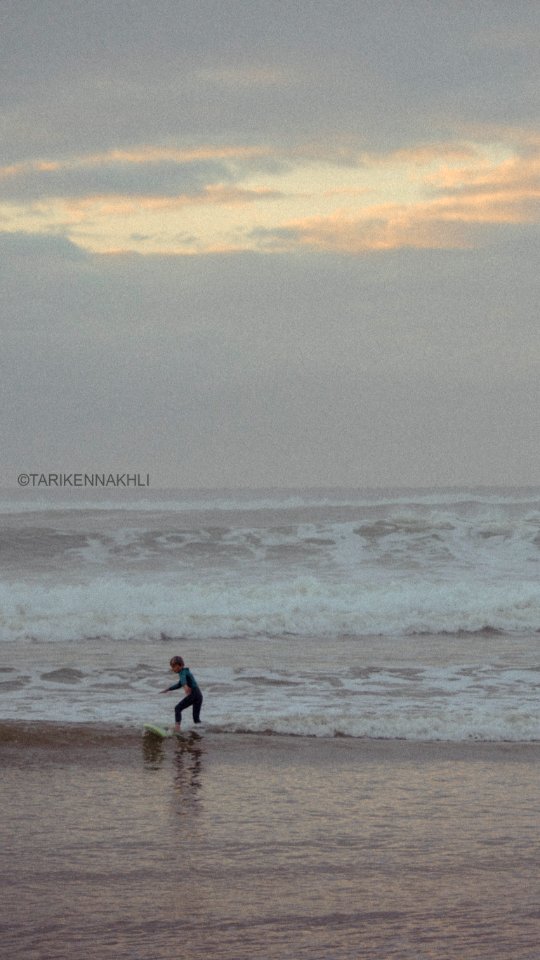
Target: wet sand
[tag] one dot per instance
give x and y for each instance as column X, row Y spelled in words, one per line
column 280, row 848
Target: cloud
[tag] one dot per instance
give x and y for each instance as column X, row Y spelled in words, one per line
column 485, row 192
column 84, row 77
column 231, row 197
column 143, row 154
column 36, row 246
column 123, row 205
column 384, row 228
column 446, row 223
column 515, row 177
column 144, row 170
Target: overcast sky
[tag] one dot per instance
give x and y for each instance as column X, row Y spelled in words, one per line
column 271, row 242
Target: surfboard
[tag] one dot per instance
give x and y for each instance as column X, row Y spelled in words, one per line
column 157, row 731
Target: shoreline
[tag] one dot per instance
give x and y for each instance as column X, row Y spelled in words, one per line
column 50, row 733
column 437, row 690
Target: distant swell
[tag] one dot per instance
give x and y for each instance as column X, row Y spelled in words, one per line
column 53, row 500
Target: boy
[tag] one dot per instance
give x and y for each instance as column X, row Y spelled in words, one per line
column 193, row 696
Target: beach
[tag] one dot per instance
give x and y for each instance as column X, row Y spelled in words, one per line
column 119, row 845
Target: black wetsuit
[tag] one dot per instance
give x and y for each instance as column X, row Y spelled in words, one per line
column 193, row 699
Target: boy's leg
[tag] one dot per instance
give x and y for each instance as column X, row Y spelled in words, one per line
column 197, row 703
column 186, row 702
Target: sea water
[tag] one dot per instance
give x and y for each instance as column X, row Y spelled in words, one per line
column 365, row 613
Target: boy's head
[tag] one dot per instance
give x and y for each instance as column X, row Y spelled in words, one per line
column 176, row 664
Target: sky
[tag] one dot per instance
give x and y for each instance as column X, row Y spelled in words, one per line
column 270, row 242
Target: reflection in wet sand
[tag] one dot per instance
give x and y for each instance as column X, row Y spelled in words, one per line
column 265, row 847
column 153, row 751
column 187, row 762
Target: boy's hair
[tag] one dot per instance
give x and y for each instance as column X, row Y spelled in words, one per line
column 174, row 661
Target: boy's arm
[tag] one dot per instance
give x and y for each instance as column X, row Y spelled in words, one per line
column 175, row 686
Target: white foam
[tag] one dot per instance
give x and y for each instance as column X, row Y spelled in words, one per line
column 122, row 609
column 482, row 703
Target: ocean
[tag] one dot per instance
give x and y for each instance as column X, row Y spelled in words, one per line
column 395, row 614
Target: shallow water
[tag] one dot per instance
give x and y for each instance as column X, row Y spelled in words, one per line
column 404, row 613
column 274, row 847
column 419, row 688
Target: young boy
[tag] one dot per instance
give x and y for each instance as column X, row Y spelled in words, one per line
column 193, row 696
